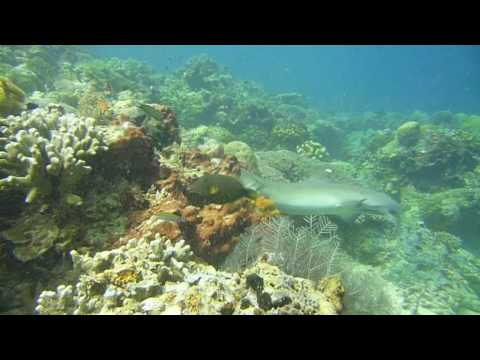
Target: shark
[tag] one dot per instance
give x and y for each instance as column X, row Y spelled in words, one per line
column 321, row 197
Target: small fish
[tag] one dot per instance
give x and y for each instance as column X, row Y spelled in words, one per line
column 31, row 106
column 151, row 111
column 218, row 189
column 166, row 216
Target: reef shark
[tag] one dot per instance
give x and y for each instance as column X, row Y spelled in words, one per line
column 320, row 197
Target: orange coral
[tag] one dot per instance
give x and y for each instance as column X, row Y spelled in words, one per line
column 103, row 106
column 266, row 208
column 216, row 234
column 211, row 230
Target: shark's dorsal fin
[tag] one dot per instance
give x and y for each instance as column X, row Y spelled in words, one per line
column 251, row 181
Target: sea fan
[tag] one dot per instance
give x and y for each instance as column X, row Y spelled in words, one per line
column 307, row 251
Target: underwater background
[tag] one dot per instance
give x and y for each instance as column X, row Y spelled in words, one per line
column 341, row 78
column 151, row 179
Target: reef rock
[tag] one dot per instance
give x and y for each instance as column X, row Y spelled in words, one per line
column 154, row 276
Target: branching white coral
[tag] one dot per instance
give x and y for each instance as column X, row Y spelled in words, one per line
column 44, row 144
column 154, row 276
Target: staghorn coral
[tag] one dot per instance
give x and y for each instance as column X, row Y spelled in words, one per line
column 154, row 276
column 256, row 137
column 45, row 153
column 251, row 112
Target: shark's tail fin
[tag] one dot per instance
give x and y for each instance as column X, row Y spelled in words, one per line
column 251, row 181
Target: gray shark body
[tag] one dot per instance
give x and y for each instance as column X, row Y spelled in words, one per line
column 320, row 197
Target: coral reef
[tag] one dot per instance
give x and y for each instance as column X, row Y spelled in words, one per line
column 35, row 234
column 439, row 159
column 314, row 150
column 200, row 135
column 307, row 251
column 11, row 98
column 35, row 67
column 287, row 165
column 409, row 133
column 108, row 164
column 210, row 229
column 313, row 250
column 470, row 124
column 130, row 153
column 202, row 72
column 445, row 118
column 47, row 158
column 117, row 75
column 161, row 124
column 329, row 135
column 290, row 134
column 154, row 276
column 45, row 153
column 243, row 153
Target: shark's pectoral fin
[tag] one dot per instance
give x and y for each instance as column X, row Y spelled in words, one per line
column 351, row 210
column 349, row 216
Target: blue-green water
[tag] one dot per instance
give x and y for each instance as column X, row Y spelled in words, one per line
column 342, row 78
column 125, row 169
